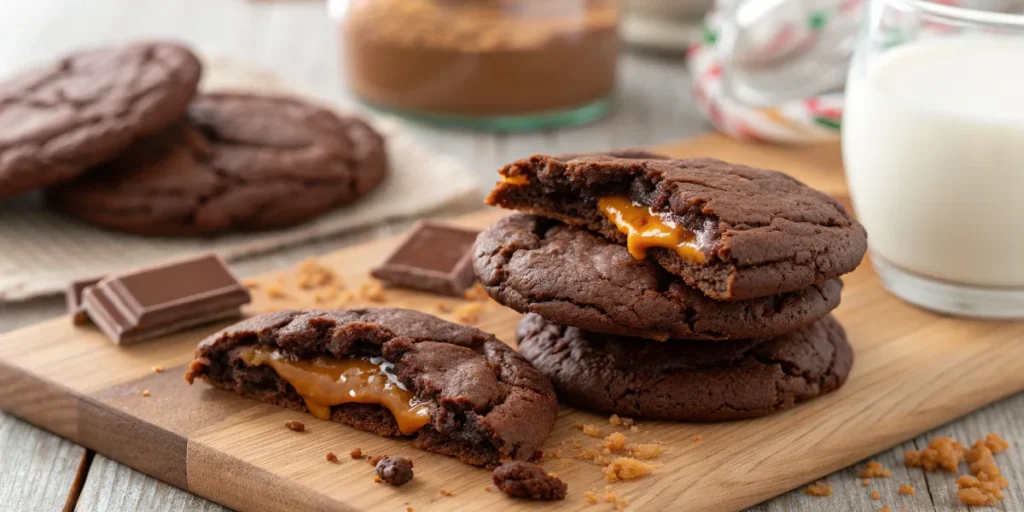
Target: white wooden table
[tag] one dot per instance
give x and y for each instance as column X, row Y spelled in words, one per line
column 40, row 471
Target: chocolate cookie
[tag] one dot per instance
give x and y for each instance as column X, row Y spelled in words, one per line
column 238, row 163
column 453, row 389
column 688, row 381
column 57, row 121
column 572, row 276
column 732, row 231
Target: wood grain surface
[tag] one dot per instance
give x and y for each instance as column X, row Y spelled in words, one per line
column 914, row 371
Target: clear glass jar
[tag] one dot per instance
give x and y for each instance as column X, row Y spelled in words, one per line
column 932, row 142
column 490, row 64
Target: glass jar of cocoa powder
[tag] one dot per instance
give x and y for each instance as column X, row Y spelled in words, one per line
column 502, row 65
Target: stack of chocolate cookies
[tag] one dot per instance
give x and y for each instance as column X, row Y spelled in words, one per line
column 672, row 289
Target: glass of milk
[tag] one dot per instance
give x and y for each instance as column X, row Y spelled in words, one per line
column 933, row 142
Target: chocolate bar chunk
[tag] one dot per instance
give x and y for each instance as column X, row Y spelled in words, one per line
column 435, row 258
column 154, row 301
column 73, row 297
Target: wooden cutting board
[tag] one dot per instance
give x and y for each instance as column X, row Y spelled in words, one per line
column 914, row 370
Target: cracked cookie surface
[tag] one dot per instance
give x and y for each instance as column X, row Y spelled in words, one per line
column 761, row 232
column 574, row 277
column 237, row 163
column 58, row 121
column 488, row 405
column 687, row 381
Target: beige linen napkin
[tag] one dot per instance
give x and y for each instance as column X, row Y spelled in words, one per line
column 41, row 251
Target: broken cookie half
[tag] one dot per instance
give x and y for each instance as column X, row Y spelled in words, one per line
column 450, row 388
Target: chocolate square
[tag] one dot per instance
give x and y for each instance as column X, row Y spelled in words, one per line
column 73, row 298
column 434, row 258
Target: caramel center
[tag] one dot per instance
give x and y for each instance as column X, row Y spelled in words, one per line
column 518, row 179
column 645, row 229
column 326, row 381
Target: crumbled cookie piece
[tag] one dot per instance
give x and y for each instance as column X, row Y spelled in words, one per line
column 468, row 314
column 885, row 509
column 907, row 489
column 313, row 275
column 875, row 470
column 591, row 430
column 865, row 482
column 446, row 492
column 356, row 453
column 615, row 442
column 942, row 452
column 996, row 443
column 974, row 492
column 697, row 438
column 295, row 425
column 591, row 454
column 624, row 468
column 442, row 307
column 875, row 495
column 488, row 488
column 276, row 292
column 377, row 479
column 612, row 498
column 590, row 497
column 144, row 392
column 615, row 420
column 331, row 457
column 476, row 293
column 409, row 509
column 646, row 451
column 524, row 480
column 818, row 489
column 372, row 291
column 394, row 470
column 160, row 369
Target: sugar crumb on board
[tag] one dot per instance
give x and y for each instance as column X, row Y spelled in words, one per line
column 624, row 468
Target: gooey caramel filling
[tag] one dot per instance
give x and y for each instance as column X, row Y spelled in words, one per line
column 518, row 179
column 326, row 381
column 645, row 228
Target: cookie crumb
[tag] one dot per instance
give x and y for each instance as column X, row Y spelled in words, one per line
column 697, row 438
column 276, row 292
column 866, row 482
column 441, row 307
column 818, row 489
column 646, row 451
column 476, row 293
column 591, row 430
column 377, row 480
column 590, row 454
column 996, row 443
column 614, row 420
column 623, row 468
column 314, row 275
column 446, row 492
column 487, row 488
column 409, row 509
column 874, row 469
column 468, row 314
column 331, row 457
column 356, row 453
column 372, row 291
column 613, row 498
column 616, row 441
column 875, row 495
column 942, row 452
column 907, row 489
column 628, row 422
column 885, row 509
column 295, row 425
column 394, row 470
column 590, row 497
column 520, row 479
column 160, row 369
column 145, row 392
column 634, row 429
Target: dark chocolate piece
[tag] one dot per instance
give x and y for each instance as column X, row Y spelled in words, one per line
column 154, row 301
column 73, row 297
column 434, row 258
column 394, row 470
column 520, row 479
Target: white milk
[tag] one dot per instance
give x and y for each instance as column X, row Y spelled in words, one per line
column 933, row 140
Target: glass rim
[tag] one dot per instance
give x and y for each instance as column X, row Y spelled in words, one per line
column 955, row 13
